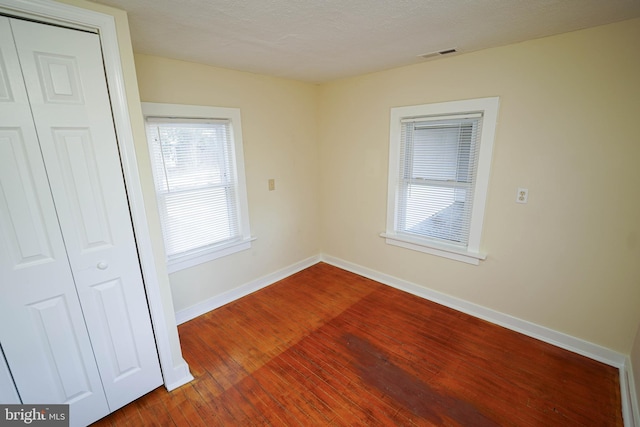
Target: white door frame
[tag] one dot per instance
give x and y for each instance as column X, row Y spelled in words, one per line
column 175, row 370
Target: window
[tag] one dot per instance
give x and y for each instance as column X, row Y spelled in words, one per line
column 198, row 170
column 439, row 160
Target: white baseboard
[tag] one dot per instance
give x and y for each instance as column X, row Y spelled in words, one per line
column 244, row 290
column 629, row 394
column 542, row 333
column 179, row 376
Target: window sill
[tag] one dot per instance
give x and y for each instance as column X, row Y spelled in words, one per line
column 192, row 259
column 450, row 252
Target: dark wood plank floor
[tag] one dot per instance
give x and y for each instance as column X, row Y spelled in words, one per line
column 325, row 347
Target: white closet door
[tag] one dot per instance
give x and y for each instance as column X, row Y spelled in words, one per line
column 8, row 392
column 42, row 330
column 64, row 77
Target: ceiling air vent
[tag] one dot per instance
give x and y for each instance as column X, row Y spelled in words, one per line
column 436, row 54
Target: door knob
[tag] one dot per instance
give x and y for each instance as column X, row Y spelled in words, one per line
column 102, row 265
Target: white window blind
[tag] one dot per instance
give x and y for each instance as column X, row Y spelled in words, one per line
column 439, row 158
column 196, row 183
column 439, row 167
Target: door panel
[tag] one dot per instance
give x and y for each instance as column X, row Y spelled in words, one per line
column 60, row 79
column 22, row 221
column 86, row 201
column 36, row 283
column 65, row 81
column 52, row 320
column 5, row 85
column 112, row 309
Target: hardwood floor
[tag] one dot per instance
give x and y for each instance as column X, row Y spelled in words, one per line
column 325, row 347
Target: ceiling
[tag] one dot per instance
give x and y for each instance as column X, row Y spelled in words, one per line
column 322, row 40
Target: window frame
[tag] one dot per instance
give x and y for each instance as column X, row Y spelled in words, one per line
column 471, row 254
column 180, row 111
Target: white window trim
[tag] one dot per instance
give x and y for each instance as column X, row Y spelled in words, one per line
column 489, row 108
column 151, row 109
column 209, row 254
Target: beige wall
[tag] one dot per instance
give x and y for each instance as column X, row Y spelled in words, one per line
column 567, row 131
column 280, row 141
column 568, row 260
column 569, row 104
